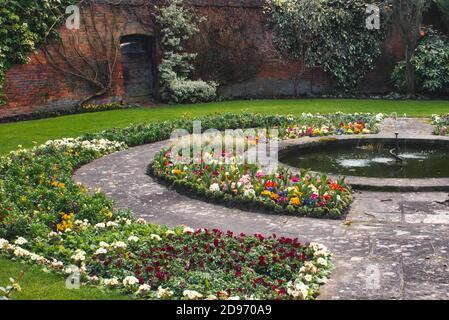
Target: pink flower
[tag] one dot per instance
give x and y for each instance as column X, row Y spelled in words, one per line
column 260, row 174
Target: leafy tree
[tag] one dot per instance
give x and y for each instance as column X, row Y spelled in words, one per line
column 345, row 47
column 408, row 14
column 294, row 27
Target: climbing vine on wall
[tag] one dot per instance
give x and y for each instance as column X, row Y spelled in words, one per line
column 24, row 25
column 331, row 34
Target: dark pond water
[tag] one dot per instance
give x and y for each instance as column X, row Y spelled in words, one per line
column 373, row 159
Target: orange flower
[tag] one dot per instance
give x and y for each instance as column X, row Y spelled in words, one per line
column 336, row 187
column 295, row 201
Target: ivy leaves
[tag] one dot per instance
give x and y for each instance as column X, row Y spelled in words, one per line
column 24, row 26
column 331, row 34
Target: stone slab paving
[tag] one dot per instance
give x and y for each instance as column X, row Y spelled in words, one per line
column 390, row 245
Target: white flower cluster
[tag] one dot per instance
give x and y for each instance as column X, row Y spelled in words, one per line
column 79, row 256
column 133, row 239
column 320, row 250
column 101, row 251
column 119, row 245
column 143, row 289
column 130, row 281
column 111, row 282
column 298, row 290
column 192, row 295
column 215, row 187
column 163, row 293
column 188, row 230
column 21, row 241
column 82, row 224
column 155, row 237
column 102, row 146
column 22, row 253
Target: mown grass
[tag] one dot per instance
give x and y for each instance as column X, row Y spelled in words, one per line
column 39, row 131
column 39, row 285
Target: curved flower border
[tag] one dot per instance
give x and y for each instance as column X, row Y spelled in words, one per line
column 47, row 219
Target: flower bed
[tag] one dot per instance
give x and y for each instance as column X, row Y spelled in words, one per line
column 48, row 219
column 441, row 124
column 249, row 187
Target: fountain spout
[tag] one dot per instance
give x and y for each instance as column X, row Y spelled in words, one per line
column 395, row 152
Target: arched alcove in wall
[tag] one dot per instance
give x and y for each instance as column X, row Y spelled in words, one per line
column 137, row 52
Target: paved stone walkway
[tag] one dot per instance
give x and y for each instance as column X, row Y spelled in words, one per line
column 390, row 246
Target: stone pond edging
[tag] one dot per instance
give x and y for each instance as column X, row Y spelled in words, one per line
column 375, row 184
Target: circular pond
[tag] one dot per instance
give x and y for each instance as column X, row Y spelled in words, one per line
column 375, row 158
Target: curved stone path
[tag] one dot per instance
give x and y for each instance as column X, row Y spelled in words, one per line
column 390, row 246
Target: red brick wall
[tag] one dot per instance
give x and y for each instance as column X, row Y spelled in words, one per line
column 38, row 86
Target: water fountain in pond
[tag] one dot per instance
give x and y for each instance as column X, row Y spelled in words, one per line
column 373, row 157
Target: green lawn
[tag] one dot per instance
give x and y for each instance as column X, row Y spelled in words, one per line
column 38, row 285
column 25, row 133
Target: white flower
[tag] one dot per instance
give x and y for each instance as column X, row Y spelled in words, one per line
column 104, row 244
column 322, row 262
column 100, row 225
column 141, row 221
column 320, row 250
column 133, row 239
column 3, row 243
column 234, row 298
column 79, row 255
column 169, row 232
column 119, row 245
column 298, row 290
column 379, row 117
column 57, row 264
column 188, row 230
column 111, row 282
column 101, row 251
column 111, row 224
column 155, row 237
column 38, row 258
column 308, row 278
column 308, row 268
column 72, row 270
column 21, row 241
column 53, row 234
column 130, row 281
column 215, row 187
column 19, row 252
column 250, row 193
column 144, row 288
column 192, row 295
column 82, row 224
column 163, row 293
